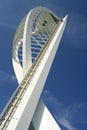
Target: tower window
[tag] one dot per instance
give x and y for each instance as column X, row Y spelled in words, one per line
column 44, row 23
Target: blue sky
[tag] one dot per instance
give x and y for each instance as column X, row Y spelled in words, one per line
column 65, row 91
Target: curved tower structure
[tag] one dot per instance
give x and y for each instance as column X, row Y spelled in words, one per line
column 34, row 47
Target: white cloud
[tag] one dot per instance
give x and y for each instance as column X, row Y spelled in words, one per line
column 7, row 78
column 64, row 115
column 66, row 124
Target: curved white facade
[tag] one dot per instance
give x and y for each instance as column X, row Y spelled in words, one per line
column 34, row 47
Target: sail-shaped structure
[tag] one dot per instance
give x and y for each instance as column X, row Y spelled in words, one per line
column 34, row 47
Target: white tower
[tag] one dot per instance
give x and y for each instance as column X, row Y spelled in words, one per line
column 34, row 47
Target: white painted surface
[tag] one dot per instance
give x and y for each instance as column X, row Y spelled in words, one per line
column 43, row 120
column 28, row 105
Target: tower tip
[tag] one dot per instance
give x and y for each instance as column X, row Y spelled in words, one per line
column 65, row 18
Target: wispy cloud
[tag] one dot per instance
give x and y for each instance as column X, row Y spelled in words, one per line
column 66, row 124
column 7, row 78
column 65, row 115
